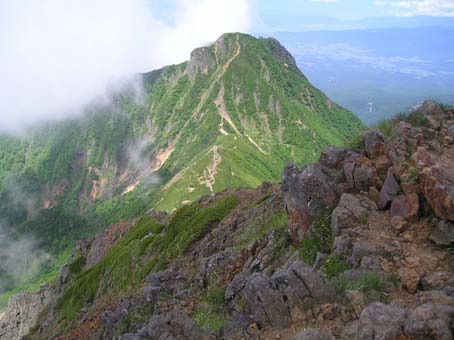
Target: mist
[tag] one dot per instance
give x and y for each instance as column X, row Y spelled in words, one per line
column 57, row 56
column 20, row 258
column 139, row 155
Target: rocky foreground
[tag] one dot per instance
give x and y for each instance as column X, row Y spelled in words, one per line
column 357, row 246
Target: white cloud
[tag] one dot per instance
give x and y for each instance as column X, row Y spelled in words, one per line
column 55, row 56
column 419, row 7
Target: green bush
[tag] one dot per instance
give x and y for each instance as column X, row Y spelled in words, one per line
column 370, row 283
column 335, row 265
column 318, row 239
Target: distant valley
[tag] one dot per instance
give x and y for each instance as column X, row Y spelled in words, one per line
column 376, row 73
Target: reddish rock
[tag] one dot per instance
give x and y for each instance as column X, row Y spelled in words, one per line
column 405, row 206
column 383, row 163
column 375, row 144
column 360, row 173
column 389, row 190
column 436, row 174
column 410, row 279
column 352, row 211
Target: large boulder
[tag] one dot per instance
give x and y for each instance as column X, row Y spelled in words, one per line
column 375, row 144
column 405, row 207
column 360, row 173
column 443, row 281
column 430, row 321
column 265, row 302
column 353, row 210
column 437, row 182
column 381, row 322
column 389, row 190
column 377, row 150
column 282, row 299
column 305, row 194
column 299, row 281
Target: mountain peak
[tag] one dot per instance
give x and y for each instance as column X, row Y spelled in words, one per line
column 228, row 46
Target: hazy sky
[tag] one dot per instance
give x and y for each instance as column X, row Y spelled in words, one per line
column 56, row 55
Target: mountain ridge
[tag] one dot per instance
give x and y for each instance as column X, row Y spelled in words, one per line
column 232, row 116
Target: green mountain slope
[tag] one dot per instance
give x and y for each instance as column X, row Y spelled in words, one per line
column 232, row 116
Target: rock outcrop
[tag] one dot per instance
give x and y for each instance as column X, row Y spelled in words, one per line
column 306, row 193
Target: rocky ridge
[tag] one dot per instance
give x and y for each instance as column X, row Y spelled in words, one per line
column 364, row 252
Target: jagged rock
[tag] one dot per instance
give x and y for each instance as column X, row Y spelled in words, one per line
column 298, row 279
column 405, row 206
column 237, row 327
column 23, row 312
column 333, row 157
column 314, row 334
column 265, row 302
column 443, row 281
column 236, row 285
column 281, row 299
column 375, row 144
column 437, row 183
column 305, row 194
column 351, row 211
column 176, row 325
column 389, row 190
column 377, row 149
column 380, row 321
column 443, row 234
column 360, row 173
column 430, row 321
column 201, row 61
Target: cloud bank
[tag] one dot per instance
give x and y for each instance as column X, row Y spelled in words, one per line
column 56, row 56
